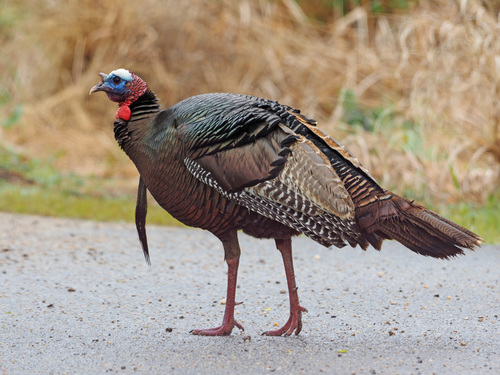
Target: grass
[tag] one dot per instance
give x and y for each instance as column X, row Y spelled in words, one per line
column 47, row 201
column 50, row 202
column 430, row 64
column 36, row 187
column 480, row 219
column 410, row 87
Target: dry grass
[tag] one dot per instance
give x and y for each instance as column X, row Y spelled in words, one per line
column 436, row 67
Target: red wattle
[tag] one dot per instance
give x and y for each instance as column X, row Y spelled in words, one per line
column 123, row 112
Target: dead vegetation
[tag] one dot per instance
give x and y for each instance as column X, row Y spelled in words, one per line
column 433, row 72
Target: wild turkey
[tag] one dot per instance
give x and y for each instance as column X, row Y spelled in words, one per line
column 228, row 162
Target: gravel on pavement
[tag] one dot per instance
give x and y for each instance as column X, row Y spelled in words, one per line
column 77, row 297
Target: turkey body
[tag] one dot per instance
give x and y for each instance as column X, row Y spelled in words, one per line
column 199, row 158
column 171, row 142
column 228, row 162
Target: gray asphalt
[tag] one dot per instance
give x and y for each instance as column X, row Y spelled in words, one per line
column 77, row 297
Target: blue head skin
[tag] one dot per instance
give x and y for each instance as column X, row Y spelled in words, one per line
column 121, row 86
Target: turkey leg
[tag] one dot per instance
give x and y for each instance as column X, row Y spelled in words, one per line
column 294, row 323
column 232, row 255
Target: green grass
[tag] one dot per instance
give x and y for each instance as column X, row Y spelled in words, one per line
column 482, row 220
column 52, row 202
column 33, row 186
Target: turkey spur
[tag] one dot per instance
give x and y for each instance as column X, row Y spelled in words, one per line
column 228, row 162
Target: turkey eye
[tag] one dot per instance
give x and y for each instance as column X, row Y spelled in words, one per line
column 116, row 80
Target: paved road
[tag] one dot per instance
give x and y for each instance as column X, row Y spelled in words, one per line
column 76, row 297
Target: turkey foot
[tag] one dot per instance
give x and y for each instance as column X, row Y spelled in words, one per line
column 294, row 323
column 224, row 330
column 228, row 322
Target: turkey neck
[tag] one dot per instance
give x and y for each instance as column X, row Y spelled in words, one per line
column 141, row 137
column 128, row 133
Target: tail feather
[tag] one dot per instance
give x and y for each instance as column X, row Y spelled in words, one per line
column 461, row 234
column 375, row 240
column 416, row 227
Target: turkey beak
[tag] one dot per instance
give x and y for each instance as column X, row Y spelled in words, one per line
column 101, row 85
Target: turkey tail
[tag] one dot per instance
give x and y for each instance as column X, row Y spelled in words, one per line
column 419, row 229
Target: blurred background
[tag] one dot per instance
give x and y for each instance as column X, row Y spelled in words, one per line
column 410, row 87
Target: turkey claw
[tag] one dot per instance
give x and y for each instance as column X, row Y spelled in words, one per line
column 294, row 323
column 223, row 330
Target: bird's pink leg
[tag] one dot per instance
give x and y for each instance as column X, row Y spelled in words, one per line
column 294, row 323
column 228, row 322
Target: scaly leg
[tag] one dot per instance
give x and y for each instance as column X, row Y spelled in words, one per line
column 232, row 255
column 294, row 323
